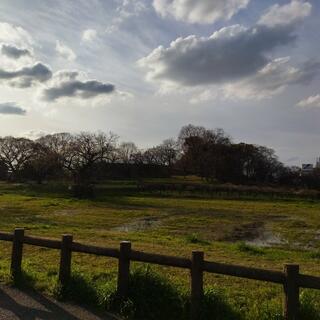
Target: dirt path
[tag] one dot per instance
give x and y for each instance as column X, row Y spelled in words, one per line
column 28, row 305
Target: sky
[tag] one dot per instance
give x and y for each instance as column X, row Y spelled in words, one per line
column 143, row 69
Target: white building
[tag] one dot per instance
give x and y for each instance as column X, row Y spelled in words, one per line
column 307, row 168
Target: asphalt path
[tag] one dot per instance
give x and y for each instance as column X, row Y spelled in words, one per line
column 29, row 305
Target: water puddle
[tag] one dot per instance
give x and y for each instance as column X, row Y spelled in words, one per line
column 266, row 239
column 139, row 225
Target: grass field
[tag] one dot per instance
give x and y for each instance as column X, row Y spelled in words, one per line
column 252, row 232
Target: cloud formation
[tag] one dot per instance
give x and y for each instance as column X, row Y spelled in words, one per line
column 89, row 35
column 195, row 11
column 69, row 84
column 290, row 13
column 14, row 52
column 310, row 102
column 64, row 51
column 236, row 58
column 11, row 108
column 272, row 79
column 26, row 76
column 126, row 10
column 228, row 54
column 16, row 35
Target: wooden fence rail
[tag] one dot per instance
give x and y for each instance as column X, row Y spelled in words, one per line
column 290, row 277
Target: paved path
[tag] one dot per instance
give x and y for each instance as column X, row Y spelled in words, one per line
column 29, row 305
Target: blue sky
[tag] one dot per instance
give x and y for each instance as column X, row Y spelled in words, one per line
column 143, row 69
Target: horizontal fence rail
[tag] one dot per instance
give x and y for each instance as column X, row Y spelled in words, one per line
column 290, row 277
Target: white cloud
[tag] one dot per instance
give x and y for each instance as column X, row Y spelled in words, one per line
column 204, row 96
column 126, row 10
column 199, row 11
column 35, row 134
column 15, row 35
column 310, row 102
column 89, row 35
column 271, row 80
column 268, row 82
column 64, row 51
column 292, row 12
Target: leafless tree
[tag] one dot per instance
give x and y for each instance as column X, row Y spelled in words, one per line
column 14, row 153
column 126, row 152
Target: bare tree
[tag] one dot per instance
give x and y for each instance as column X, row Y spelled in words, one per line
column 14, row 153
column 169, row 151
column 126, row 152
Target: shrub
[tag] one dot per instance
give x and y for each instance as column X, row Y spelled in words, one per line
column 80, row 289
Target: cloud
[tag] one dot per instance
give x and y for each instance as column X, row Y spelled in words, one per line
column 70, row 84
column 11, row 108
column 293, row 12
column 235, row 60
column 64, row 51
column 310, row 102
column 13, row 52
column 228, row 54
column 89, row 35
column 124, row 11
column 35, row 134
column 27, row 76
column 15, row 35
column 271, row 80
column 195, row 11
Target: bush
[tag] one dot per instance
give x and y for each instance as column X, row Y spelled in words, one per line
column 150, row 297
column 214, row 306
column 80, row 289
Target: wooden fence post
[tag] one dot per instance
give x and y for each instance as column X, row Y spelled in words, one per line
column 124, row 268
column 291, row 290
column 196, row 284
column 65, row 259
column 17, row 248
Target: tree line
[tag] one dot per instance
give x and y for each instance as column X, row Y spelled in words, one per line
column 87, row 157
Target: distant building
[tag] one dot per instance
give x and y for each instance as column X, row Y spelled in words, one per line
column 318, row 163
column 307, row 168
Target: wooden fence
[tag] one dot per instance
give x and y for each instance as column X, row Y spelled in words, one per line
column 290, row 277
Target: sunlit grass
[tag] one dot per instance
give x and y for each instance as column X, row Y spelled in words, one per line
column 183, row 224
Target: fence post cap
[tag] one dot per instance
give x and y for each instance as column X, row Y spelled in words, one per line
column 197, row 253
column 125, row 243
column 67, row 235
column 292, row 266
column 19, row 229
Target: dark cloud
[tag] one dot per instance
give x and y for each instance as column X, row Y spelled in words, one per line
column 77, row 88
column 14, row 52
column 229, row 54
column 11, row 108
column 26, row 76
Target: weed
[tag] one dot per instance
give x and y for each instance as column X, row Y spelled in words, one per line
column 249, row 249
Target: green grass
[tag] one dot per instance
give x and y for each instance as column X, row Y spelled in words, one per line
column 168, row 224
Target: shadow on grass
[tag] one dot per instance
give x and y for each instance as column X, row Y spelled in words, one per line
column 152, row 297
